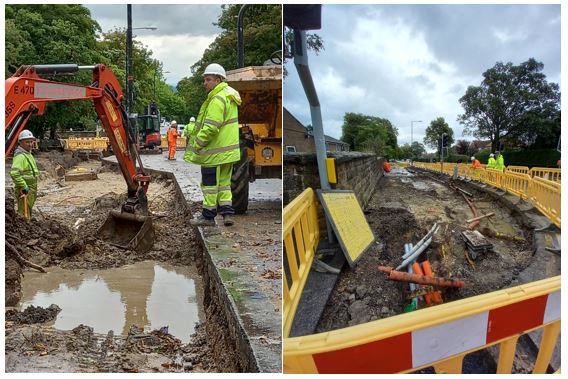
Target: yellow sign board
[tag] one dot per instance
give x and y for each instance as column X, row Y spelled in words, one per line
column 348, row 222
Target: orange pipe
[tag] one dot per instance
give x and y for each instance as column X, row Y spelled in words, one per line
column 436, row 296
column 418, row 271
column 413, row 278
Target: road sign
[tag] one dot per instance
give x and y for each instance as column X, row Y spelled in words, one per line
column 348, row 222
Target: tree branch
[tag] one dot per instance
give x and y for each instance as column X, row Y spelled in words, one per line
column 16, row 255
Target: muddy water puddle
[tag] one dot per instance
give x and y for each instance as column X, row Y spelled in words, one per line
column 147, row 294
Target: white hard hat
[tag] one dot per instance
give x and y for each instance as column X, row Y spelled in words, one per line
column 174, row 122
column 472, row 158
column 192, row 119
column 491, row 155
column 215, row 69
column 25, row 134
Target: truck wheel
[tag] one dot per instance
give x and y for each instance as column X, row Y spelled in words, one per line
column 240, row 184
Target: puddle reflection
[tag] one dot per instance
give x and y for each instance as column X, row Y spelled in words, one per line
column 146, row 294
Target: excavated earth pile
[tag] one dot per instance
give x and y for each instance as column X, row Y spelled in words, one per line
column 62, row 234
column 402, row 210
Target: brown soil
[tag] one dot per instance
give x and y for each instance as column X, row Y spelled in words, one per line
column 63, row 233
column 403, row 210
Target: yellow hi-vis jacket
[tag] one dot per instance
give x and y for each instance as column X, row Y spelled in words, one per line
column 189, row 129
column 215, row 139
column 491, row 163
column 500, row 163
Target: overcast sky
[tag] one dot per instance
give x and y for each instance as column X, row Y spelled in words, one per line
column 184, row 31
column 414, row 62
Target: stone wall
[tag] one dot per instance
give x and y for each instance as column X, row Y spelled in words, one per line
column 356, row 171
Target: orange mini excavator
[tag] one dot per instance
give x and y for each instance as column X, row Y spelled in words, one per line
column 27, row 94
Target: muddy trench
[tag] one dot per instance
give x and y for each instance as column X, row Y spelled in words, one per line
column 403, row 209
column 86, row 274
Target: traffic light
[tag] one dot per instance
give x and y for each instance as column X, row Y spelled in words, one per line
column 154, row 109
column 445, row 140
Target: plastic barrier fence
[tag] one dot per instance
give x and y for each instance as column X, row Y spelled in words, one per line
column 402, row 164
column 439, row 336
column 180, row 143
column 88, row 143
column 546, row 196
column 545, row 173
column 493, row 177
column 518, row 169
column 517, row 184
column 301, row 237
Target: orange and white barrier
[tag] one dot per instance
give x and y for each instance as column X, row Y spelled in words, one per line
column 439, row 336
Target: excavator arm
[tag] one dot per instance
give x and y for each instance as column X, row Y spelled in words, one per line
column 27, row 94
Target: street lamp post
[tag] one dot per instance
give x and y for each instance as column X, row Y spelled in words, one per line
column 412, row 130
column 129, row 71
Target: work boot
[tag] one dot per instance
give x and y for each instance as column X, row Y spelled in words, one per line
column 202, row 221
column 228, row 220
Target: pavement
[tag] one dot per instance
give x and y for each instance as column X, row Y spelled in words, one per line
column 243, row 260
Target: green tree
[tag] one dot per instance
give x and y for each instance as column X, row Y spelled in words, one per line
column 313, row 43
column 513, row 103
column 48, row 34
column 417, row 150
column 462, row 146
column 262, row 39
column 369, row 133
column 19, row 48
column 413, row 151
column 434, row 133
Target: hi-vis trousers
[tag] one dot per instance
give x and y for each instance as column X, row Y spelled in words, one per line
column 216, row 187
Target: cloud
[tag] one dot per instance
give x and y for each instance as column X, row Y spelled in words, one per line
column 170, row 19
column 184, row 31
column 178, row 61
column 414, row 62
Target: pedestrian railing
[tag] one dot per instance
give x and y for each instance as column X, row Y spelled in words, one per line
column 439, row 336
column 545, row 195
column 301, row 237
column 552, row 174
column 536, row 186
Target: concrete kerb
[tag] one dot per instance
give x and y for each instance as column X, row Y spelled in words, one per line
column 243, row 305
column 255, row 351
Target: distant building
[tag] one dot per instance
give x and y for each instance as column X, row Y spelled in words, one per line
column 332, row 144
column 297, row 138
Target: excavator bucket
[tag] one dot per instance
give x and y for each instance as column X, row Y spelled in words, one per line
column 128, row 231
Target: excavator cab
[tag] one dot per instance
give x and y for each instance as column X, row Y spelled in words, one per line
column 27, row 94
column 148, row 128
